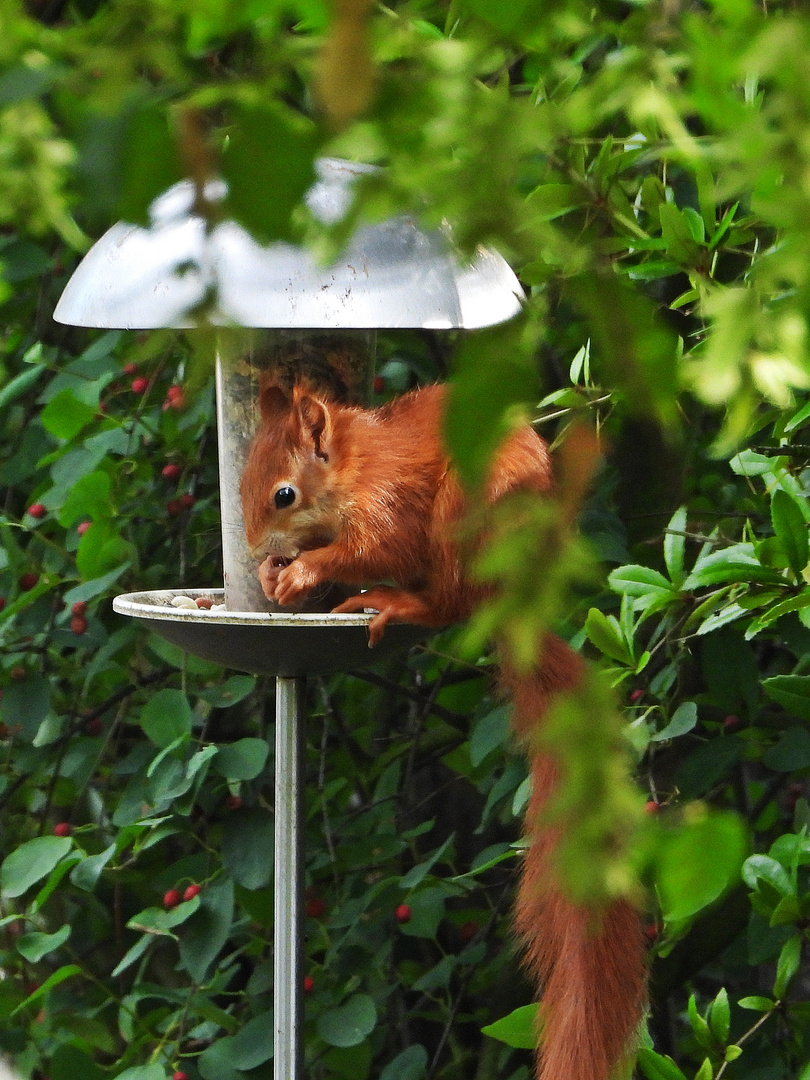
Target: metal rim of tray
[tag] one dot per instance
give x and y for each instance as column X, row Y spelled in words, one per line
column 266, row 643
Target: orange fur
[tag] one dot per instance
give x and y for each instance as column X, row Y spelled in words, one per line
column 375, row 499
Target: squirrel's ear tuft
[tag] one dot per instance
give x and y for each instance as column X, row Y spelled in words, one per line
column 316, row 423
column 274, row 402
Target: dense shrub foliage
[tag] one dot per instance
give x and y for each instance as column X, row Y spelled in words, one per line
column 644, row 167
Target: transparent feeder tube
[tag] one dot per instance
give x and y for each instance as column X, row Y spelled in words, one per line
column 336, row 363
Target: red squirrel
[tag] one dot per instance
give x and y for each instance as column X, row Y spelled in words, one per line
column 336, row 493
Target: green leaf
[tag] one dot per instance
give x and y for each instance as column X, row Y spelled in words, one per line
column 159, row 921
column 490, row 733
column 31, row 862
column 418, row 873
column 247, row 847
column 231, row 692
column 59, row 976
column 657, row 1067
column 637, row 580
column 101, row 549
column 270, row 142
column 792, row 692
column 253, row 1044
column 787, row 965
column 605, row 633
column 700, row 1029
column 89, row 497
column 790, row 527
column 677, row 231
column 518, row 1028
column 207, row 931
column 757, row 1004
column 758, row 868
column 427, row 911
column 791, row 753
column 349, row 1024
column 65, row 415
column 495, row 373
column 17, row 386
column 720, row 1017
column 411, row 1064
column 166, row 717
column 242, row 760
column 35, row 945
column 699, row 862
column 675, row 546
column 684, row 719
column 143, row 1072
column 85, row 874
column 149, row 162
column 705, row 1072
column 549, row 201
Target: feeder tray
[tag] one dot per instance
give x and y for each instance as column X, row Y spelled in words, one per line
column 265, row 643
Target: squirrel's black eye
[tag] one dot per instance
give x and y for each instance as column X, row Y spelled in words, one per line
column 285, row 496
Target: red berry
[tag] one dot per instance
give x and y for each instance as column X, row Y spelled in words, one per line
column 651, row 931
column 731, row 723
column 130, row 368
column 651, row 806
column 309, row 984
column 468, row 930
column 179, row 1075
column 636, row 696
column 192, row 891
column 62, row 828
column 94, row 726
column 78, row 624
column 140, row 385
column 187, row 501
column 233, row 802
column 18, row 673
column 379, row 384
column 79, row 607
column 82, row 527
column 171, row 471
column 315, row 907
column 2, row 602
column 403, row 913
column 171, row 899
column 37, row 510
column 28, row 581
column 175, row 400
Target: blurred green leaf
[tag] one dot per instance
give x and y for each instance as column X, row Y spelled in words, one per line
column 268, row 166
column 699, row 862
column 348, row 1024
column 518, row 1029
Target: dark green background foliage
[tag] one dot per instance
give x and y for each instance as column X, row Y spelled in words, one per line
column 644, row 168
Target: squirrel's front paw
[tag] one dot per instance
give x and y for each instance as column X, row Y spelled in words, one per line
column 268, row 574
column 294, row 582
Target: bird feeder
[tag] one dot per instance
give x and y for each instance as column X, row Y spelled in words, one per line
column 296, row 318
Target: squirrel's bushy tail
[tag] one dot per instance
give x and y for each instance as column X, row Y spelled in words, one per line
column 588, row 961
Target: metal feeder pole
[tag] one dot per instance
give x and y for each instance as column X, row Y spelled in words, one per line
column 288, row 883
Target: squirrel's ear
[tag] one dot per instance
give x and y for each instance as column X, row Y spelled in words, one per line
column 317, row 423
column 274, row 404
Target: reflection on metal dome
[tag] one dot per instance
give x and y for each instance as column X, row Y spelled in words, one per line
column 390, row 275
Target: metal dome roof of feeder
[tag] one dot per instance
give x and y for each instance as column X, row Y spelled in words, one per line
column 391, row 275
